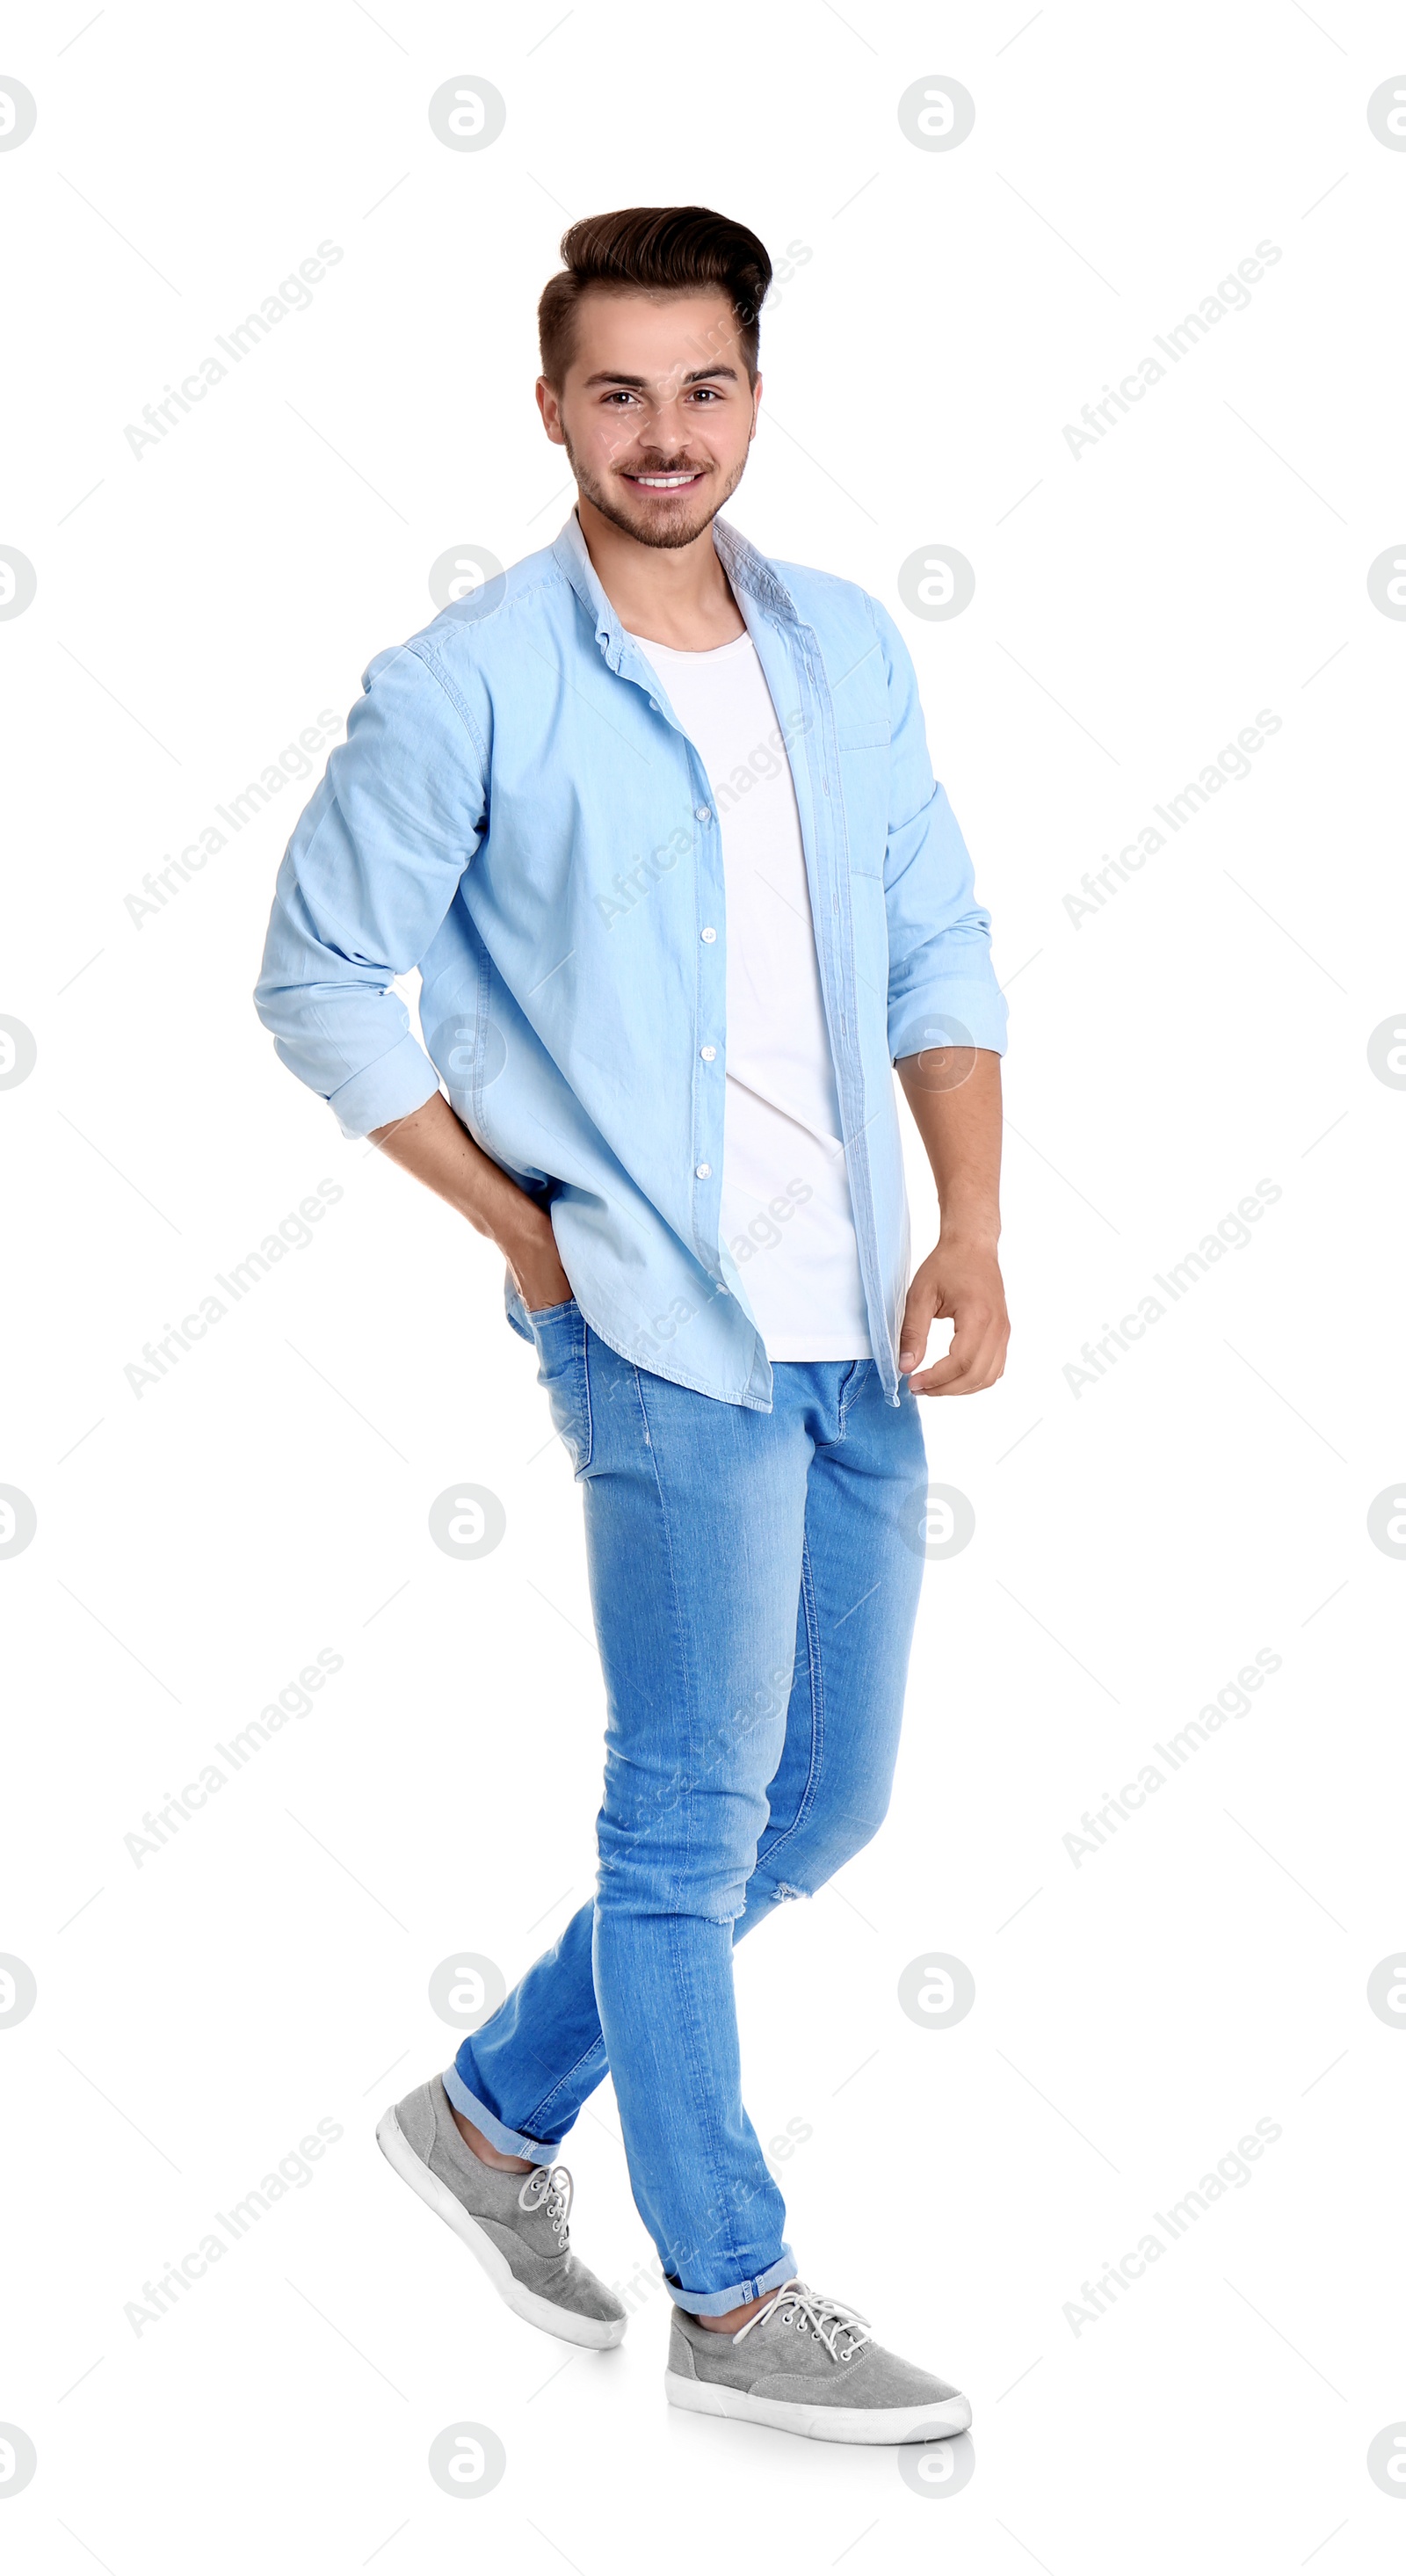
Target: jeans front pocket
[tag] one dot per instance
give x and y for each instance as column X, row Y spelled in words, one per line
column 560, row 1335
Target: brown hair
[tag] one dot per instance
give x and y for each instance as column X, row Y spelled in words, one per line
column 656, row 247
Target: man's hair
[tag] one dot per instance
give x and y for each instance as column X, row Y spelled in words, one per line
column 669, row 249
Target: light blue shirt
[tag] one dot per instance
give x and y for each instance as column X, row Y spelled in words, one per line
column 517, row 812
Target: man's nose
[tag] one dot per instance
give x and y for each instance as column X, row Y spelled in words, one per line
column 667, row 425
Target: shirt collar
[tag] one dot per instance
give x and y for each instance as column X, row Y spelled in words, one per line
column 746, row 569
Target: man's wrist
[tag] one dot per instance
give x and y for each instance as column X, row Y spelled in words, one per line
column 523, row 1231
column 959, row 1235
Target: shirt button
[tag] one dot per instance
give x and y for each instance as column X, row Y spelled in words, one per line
column 710, row 936
column 707, row 1053
column 704, row 1171
column 704, row 813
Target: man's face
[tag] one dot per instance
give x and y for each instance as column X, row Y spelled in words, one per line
column 656, row 412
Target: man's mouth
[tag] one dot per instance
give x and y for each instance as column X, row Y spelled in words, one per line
column 676, row 482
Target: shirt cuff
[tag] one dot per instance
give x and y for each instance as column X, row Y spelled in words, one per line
column 956, row 1012
column 399, row 1081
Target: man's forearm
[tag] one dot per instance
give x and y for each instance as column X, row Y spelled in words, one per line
column 955, row 1096
column 437, row 1148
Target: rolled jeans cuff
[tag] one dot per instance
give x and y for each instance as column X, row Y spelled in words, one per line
column 509, row 2142
column 719, row 2303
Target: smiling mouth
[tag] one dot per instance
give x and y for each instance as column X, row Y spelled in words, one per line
column 666, row 482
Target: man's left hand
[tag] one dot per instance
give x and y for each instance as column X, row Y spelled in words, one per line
column 960, row 1283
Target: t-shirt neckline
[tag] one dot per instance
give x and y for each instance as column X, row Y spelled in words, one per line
column 681, row 652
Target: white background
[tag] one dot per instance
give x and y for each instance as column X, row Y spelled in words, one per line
column 1135, row 1544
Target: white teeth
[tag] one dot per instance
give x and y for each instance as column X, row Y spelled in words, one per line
column 663, row 482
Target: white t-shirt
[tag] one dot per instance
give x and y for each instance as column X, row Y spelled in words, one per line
column 786, row 1213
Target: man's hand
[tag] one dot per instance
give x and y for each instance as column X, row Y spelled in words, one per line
column 961, row 1282
column 536, row 1264
column 433, row 1144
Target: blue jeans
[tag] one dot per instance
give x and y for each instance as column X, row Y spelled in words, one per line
column 754, row 1579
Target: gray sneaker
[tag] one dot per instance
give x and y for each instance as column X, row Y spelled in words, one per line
column 517, row 2225
column 809, row 2365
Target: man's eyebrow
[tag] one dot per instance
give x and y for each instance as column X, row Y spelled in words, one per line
column 696, row 376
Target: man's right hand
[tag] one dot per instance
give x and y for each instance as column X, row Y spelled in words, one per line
column 435, row 1145
column 536, row 1265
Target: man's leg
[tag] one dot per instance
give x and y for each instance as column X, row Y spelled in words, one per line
column 695, row 1520
column 523, row 2077
column 860, row 1586
column 695, row 1523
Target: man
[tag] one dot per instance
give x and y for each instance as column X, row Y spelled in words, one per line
column 655, row 819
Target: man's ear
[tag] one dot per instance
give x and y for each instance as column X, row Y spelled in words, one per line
column 550, row 410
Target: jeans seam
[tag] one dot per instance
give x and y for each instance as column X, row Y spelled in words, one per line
column 701, row 2094
column 815, row 1670
column 681, row 1658
column 585, row 1399
column 847, row 1389
column 530, row 2124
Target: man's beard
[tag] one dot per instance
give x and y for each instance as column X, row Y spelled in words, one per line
column 678, row 530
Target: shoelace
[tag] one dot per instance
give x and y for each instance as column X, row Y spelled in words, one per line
column 798, row 2306
column 550, row 2187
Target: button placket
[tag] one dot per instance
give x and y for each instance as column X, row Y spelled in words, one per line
column 831, row 849
column 708, row 936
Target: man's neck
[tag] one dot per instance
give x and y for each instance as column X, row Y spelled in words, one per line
column 675, row 595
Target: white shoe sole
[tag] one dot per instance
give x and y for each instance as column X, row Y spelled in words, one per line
column 598, row 2334
column 821, row 2423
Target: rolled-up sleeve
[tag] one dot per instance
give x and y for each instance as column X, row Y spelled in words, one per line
column 368, row 876
column 942, row 986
